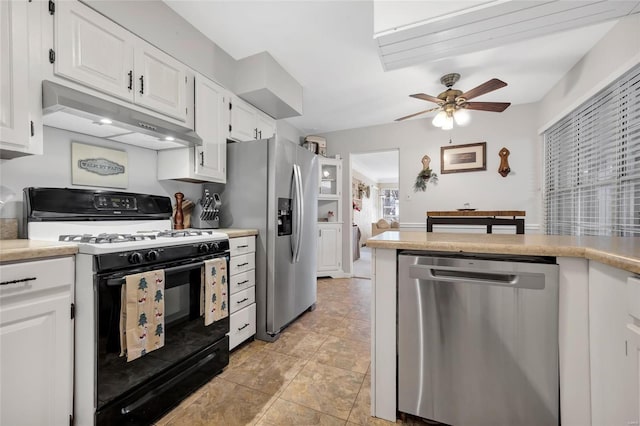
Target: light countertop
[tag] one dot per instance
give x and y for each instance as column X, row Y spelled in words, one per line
column 619, row 252
column 238, row 232
column 16, row 250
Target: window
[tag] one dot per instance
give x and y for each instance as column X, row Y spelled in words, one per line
column 592, row 164
column 389, row 203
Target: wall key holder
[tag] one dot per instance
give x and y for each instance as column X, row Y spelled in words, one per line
column 504, row 168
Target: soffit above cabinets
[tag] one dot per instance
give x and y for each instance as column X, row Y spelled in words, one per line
column 408, row 33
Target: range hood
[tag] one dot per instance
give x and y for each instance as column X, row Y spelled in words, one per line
column 70, row 109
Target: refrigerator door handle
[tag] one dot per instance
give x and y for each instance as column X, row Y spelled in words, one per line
column 296, row 220
column 301, row 218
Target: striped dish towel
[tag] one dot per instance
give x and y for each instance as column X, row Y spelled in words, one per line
column 142, row 314
column 215, row 293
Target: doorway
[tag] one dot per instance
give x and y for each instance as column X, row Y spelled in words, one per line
column 374, row 196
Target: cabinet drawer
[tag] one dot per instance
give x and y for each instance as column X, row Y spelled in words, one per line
column 242, row 281
column 242, row 299
column 242, row 245
column 242, row 325
column 243, row 263
column 36, row 276
column 633, row 296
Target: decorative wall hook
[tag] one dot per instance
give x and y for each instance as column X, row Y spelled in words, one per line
column 504, row 168
column 425, row 175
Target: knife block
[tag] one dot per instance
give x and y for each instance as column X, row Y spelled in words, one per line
column 198, row 223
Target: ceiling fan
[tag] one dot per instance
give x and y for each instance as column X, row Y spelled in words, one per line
column 453, row 104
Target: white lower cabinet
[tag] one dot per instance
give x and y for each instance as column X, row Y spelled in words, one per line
column 613, row 370
column 633, row 350
column 36, row 342
column 242, row 298
column 329, row 249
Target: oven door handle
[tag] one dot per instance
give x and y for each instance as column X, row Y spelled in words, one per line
column 116, row 282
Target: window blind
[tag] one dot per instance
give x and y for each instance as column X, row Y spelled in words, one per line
column 592, row 164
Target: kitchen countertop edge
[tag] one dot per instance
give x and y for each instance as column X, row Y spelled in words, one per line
column 619, row 252
column 20, row 249
column 236, row 233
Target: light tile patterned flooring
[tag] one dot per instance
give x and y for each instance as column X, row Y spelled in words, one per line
column 316, row 373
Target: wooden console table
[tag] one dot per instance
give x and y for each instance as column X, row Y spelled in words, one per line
column 477, row 217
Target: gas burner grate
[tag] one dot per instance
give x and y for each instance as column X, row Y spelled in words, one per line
column 105, row 238
column 184, row 233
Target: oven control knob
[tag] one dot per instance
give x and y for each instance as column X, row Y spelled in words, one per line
column 153, row 255
column 203, row 248
column 135, row 257
column 214, row 247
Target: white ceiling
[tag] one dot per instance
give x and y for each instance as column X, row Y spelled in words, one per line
column 328, row 47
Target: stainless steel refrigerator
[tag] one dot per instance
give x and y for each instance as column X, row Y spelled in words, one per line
column 272, row 185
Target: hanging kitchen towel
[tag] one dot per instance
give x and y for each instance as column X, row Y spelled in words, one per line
column 216, row 305
column 142, row 314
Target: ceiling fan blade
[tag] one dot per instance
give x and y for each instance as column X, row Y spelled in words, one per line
column 487, row 106
column 417, row 113
column 486, row 87
column 425, row 97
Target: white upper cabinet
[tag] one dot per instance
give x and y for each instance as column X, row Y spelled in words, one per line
column 20, row 92
column 266, row 126
column 211, row 104
column 161, row 81
column 248, row 123
column 94, row 51
column 208, row 162
column 98, row 53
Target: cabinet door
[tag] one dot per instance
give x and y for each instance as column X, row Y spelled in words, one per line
column 93, row 51
column 161, row 81
column 243, row 121
column 211, row 157
column 14, row 81
column 608, row 346
column 35, row 360
column 633, row 373
column 329, row 248
column 266, row 126
column 330, row 178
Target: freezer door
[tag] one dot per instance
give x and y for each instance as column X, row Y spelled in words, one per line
column 280, row 268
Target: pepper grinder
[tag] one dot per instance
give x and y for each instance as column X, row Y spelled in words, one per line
column 179, row 219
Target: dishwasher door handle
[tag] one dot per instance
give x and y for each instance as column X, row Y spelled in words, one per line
column 466, row 276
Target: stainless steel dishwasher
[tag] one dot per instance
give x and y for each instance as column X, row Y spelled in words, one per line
column 478, row 338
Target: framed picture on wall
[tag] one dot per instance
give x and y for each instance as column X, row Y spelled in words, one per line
column 93, row 165
column 471, row 157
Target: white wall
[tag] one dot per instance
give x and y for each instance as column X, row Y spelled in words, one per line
column 53, row 169
column 614, row 54
column 515, row 129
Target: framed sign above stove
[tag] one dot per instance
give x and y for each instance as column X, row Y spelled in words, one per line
column 93, row 165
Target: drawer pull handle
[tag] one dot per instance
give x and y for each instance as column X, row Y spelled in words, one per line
column 243, row 327
column 22, row 280
column 243, row 246
column 243, row 282
column 242, row 264
column 243, row 300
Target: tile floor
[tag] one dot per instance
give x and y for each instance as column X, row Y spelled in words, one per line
column 316, row 373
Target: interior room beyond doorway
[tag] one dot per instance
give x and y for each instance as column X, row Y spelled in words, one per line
column 374, row 197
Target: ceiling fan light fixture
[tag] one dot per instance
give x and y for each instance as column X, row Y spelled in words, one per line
column 448, row 123
column 462, row 117
column 439, row 119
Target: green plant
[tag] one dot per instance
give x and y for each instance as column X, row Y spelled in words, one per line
column 425, row 175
